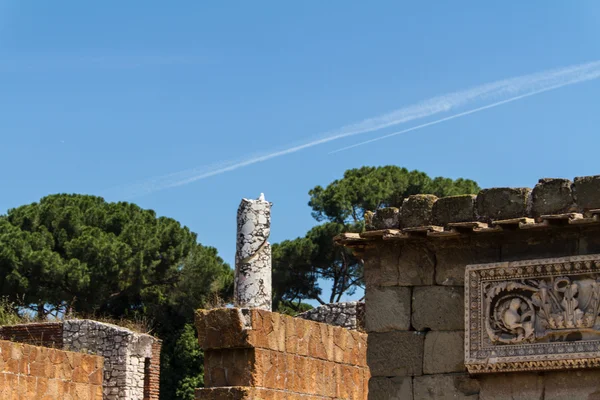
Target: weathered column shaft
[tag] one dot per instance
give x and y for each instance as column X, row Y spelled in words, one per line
column 252, row 287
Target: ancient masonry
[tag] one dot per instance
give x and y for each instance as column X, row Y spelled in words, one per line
column 33, row 373
column 461, row 290
column 348, row 315
column 131, row 360
column 253, row 255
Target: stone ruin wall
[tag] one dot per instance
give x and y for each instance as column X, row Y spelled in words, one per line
column 415, row 259
column 349, row 315
column 258, row 354
column 131, row 360
column 39, row 373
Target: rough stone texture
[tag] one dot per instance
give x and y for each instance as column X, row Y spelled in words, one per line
column 33, row 373
column 124, row 351
column 47, row 334
column 394, row 264
column 533, row 245
column 252, row 284
column 569, row 385
column 502, row 203
column 416, row 210
column 389, row 309
column 395, row 353
column 513, row 386
column 445, row 387
column 552, row 196
column 346, row 315
column 587, row 192
column 444, row 352
column 438, row 308
column 397, row 388
column 454, row 209
column 279, row 357
column 386, row 218
column 451, row 259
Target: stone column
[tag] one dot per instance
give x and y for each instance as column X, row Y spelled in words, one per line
column 253, row 255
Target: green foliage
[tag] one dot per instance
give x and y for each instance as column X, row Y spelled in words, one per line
column 9, row 314
column 77, row 254
column 299, row 264
column 370, row 188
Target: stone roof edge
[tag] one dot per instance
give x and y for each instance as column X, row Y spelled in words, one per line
column 552, row 202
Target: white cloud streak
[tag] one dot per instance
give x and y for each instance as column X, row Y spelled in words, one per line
column 518, row 88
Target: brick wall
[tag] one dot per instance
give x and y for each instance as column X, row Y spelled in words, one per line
column 35, row 373
column 256, row 354
column 152, row 373
column 40, row 334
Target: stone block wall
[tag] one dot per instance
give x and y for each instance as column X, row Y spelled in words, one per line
column 131, row 360
column 257, row 354
column 39, row 373
column 415, row 261
column 348, row 315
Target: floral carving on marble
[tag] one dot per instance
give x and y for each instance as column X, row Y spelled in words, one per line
column 533, row 315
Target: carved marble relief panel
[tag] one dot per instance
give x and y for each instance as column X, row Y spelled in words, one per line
column 533, row 315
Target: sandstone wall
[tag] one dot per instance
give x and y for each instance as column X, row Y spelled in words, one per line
column 348, row 315
column 131, row 360
column 39, row 373
column 256, row 354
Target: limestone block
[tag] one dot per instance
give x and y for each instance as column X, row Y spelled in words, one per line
column 438, row 308
column 380, row 269
column 397, row 388
column 445, row 387
column 570, row 385
column 444, row 352
column 387, row 309
column 452, row 259
column 454, row 209
column 587, row 192
column 533, row 245
column 552, row 196
column 386, row 218
column 502, row 203
column 395, row 353
column 416, row 210
column 511, row 386
column 416, row 264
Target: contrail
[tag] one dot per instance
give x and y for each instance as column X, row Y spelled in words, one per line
column 518, row 87
column 462, row 114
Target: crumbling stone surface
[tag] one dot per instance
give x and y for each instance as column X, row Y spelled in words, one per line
column 389, row 309
column 587, row 192
column 442, row 387
column 395, row 353
column 552, row 196
column 386, row 218
column 502, row 203
column 416, row 210
column 397, row 388
column 439, row 308
column 454, row 209
column 452, row 258
column 347, row 314
column 124, row 353
column 444, row 352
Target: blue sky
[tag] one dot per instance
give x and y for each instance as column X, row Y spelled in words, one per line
column 97, row 96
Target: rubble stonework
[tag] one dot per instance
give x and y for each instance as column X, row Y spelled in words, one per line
column 252, row 284
column 348, row 315
column 531, row 304
column 131, row 360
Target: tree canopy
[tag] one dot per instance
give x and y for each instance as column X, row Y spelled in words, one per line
column 301, row 263
column 80, row 254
